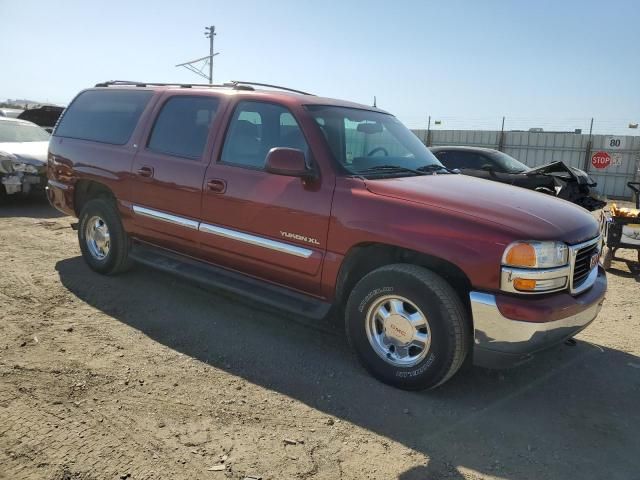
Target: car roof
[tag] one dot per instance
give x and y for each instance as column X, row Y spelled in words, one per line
column 241, row 90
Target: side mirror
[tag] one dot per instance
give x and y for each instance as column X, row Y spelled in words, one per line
column 487, row 167
column 289, row 162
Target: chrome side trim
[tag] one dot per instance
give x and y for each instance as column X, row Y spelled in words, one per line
column 493, row 331
column 59, row 185
column 165, row 217
column 573, row 253
column 255, row 240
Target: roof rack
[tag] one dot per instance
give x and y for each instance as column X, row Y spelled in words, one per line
column 234, row 84
column 239, row 83
column 111, row 83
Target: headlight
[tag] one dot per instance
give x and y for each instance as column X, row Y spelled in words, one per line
column 536, row 255
column 24, row 167
column 535, row 267
column 6, row 162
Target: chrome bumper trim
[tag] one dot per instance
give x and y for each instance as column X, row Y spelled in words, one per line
column 493, row 331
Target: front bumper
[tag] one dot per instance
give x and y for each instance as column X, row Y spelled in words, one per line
column 22, row 182
column 502, row 341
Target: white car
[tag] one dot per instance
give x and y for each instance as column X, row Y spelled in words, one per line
column 23, row 156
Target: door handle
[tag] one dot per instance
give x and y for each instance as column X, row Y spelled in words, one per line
column 216, row 185
column 145, row 171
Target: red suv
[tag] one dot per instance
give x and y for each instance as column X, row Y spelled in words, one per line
column 315, row 205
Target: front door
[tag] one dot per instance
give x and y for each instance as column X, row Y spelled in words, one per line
column 270, row 226
column 169, row 169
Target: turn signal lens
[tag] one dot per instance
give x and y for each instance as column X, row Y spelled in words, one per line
column 521, row 255
column 524, row 284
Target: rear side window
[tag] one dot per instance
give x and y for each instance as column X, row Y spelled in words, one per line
column 182, row 126
column 107, row 116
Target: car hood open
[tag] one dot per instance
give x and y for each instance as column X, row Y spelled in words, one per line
column 530, row 215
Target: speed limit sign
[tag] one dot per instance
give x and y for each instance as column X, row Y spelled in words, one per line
column 614, row 143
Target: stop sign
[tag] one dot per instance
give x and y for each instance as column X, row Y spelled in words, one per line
column 600, row 160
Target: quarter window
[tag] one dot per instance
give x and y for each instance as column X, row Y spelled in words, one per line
column 182, row 127
column 256, row 128
column 107, row 116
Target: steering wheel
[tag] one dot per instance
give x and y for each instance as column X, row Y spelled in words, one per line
column 376, row 150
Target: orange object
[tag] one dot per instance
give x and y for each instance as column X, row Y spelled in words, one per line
column 521, row 255
column 524, row 284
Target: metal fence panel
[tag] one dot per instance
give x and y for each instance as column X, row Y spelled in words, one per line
column 539, row 148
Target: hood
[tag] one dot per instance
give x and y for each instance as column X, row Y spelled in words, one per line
column 528, row 215
column 32, row 153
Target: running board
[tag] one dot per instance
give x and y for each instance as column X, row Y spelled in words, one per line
column 236, row 283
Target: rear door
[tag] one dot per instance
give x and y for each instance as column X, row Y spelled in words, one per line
column 266, row 225
column 168, row 171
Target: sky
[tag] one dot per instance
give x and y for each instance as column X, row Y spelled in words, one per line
column 551, row 64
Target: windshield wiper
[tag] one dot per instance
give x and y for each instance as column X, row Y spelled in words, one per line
column 435, row 167
column 389, row 169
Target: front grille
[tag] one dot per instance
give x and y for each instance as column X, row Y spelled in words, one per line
column 582, row 266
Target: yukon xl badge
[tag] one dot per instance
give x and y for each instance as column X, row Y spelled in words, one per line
column 302, row 238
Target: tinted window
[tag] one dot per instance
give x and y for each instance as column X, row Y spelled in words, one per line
column 462, row 160
column 107, row 116
column 183, row 125
column 255, row 129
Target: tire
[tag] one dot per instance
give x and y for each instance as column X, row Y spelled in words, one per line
column 106, row 257
column 420, row 293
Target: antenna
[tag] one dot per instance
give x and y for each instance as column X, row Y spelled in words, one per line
column 207, row 61
column 374, row 101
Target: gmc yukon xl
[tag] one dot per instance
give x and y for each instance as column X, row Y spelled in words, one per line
column 315, row 205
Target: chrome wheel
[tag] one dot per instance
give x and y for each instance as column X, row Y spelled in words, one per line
column 398, row 331
column 96, row 235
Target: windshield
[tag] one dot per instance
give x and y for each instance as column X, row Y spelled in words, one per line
column 508, row 163
column 362, row 140
column 22, row 132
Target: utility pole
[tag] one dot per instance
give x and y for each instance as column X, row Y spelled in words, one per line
column 192, row 66
column 210, row 32
column 587, row 152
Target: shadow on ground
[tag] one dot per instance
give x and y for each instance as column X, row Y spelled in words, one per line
column 573, row 413
column 36, row 206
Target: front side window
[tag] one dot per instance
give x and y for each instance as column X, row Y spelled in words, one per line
column 363, row 141
column 182, row 126
column 107, row 116
column 256, row 128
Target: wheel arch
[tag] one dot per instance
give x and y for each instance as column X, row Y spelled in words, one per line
column 85, row 190
column 364, row 258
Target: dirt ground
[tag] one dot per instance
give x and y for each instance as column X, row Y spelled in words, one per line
column 146, row 376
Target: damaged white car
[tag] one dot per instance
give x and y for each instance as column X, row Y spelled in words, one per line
column 23, row 157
